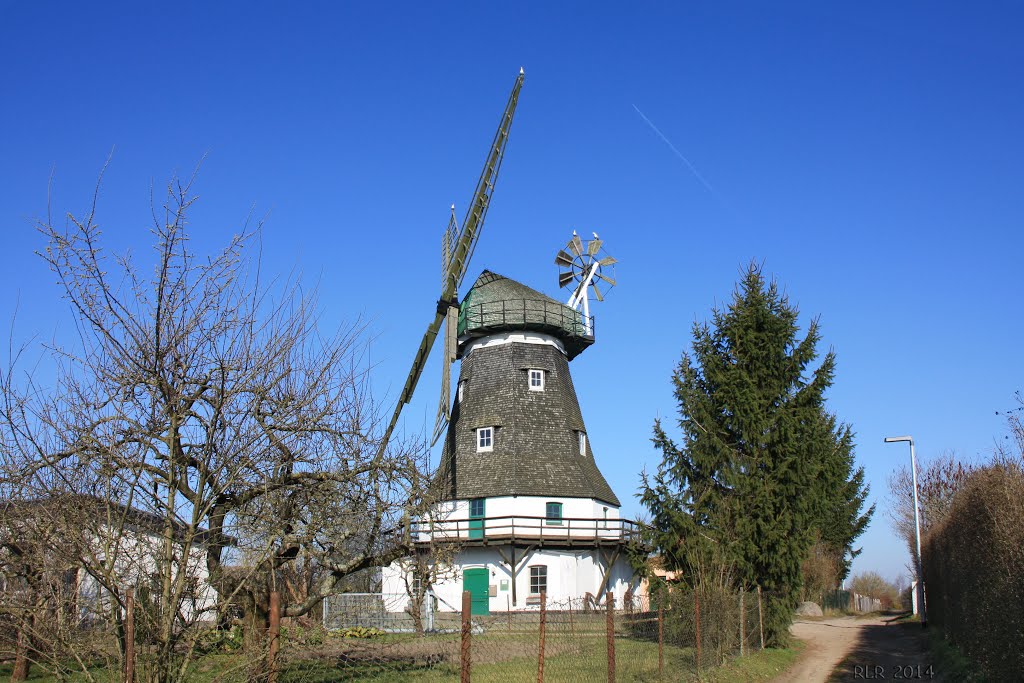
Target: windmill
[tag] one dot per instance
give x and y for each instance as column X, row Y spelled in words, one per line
column 457, row 246
column 584, row 264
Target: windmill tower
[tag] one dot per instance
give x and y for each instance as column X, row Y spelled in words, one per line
column 518, row 491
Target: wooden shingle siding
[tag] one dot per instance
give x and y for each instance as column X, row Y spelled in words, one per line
column 536, row 443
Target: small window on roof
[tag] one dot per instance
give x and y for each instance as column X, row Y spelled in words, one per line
column 462, row 390
column 536, row 380
column 583, row 443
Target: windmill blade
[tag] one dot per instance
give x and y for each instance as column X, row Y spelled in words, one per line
column 565, row 278
column 563, row 259
column 414, row 375
column 463, row 249
column 477, row 210
column 447, row 246
column 576, row 244
column 449, row 351
column 607, row 279
column 608, row 260
column 593, row 246
column 597, row 292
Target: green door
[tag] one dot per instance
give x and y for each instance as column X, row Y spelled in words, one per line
column 475, row 581
column 476, row 518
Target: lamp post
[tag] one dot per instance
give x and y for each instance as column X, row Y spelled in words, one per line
column 917, row 527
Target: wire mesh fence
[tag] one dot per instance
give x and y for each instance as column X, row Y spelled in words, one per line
column 390, row 612
column 672, row 636
column 633, row 638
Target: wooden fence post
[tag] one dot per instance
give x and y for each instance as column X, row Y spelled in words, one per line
column 661, row 641
column 543, row 625
column 274, row 636
column 696, row 611
column 129, row 636
column 610, row 601
column 760, row 616
column 467, row 652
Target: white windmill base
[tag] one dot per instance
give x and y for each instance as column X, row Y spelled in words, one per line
column 583, row 555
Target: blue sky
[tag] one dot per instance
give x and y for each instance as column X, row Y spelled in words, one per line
column 869, row 155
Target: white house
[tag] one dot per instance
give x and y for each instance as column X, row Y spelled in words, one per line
column 88, row 544
column 520, row 496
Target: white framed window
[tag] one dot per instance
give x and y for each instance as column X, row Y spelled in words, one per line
column 583, row 442
column 538, row 579
column 484, row 439
column 462, row 390
column 536, row 380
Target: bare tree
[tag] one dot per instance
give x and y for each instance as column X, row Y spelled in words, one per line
column 938, row 481
column 421, row 571
column 873, row 585
column 208, row 400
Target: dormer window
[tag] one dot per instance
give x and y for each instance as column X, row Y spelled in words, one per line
column 583, row 442
column 484, row 439
column 536, row 380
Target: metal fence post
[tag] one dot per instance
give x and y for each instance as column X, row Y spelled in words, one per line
column 543, row 625
column 760, row 616
column 661, row 641
column 129, row 636
column 572, row 624
column 743, row 623
column 275, row 636
column 611, row 637
column 696, row 611
column 467, row 658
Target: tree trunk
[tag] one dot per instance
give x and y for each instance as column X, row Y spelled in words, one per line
column 22, row 651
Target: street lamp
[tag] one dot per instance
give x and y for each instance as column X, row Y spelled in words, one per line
column 917, row 527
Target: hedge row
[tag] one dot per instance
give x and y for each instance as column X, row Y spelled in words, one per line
column 974, row 570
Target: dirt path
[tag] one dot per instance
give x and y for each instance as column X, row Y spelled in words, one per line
column 856, row 649
column 826, row 643
column 888, row 650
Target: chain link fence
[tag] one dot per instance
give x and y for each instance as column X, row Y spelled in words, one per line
column 633, row 638
column 371, row 637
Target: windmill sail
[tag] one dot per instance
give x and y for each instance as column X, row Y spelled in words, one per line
column 463, row 249
column 449, row 347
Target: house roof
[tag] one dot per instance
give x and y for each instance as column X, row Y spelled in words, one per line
column 496, row 304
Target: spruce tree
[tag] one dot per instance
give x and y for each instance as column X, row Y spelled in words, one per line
column 843, row 493
column 741, row 493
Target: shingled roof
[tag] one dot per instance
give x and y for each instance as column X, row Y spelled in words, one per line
column 536, row 441
column 497, row 304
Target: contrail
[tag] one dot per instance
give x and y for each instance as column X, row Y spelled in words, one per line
column 677, row 152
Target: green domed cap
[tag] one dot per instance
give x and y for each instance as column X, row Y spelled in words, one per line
column 497, row 304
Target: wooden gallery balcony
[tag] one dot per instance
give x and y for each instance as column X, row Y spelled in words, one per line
column 567, row 532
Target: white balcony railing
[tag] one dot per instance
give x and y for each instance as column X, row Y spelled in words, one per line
column 524, row 528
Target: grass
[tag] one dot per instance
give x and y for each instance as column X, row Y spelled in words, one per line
column 497, row 658
column 760, row 666
column 954, row 665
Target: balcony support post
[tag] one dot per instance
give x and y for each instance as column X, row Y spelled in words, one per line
column 607, row 569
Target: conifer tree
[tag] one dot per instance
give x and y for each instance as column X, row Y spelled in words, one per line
column 742, row 493
column 843, row 493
